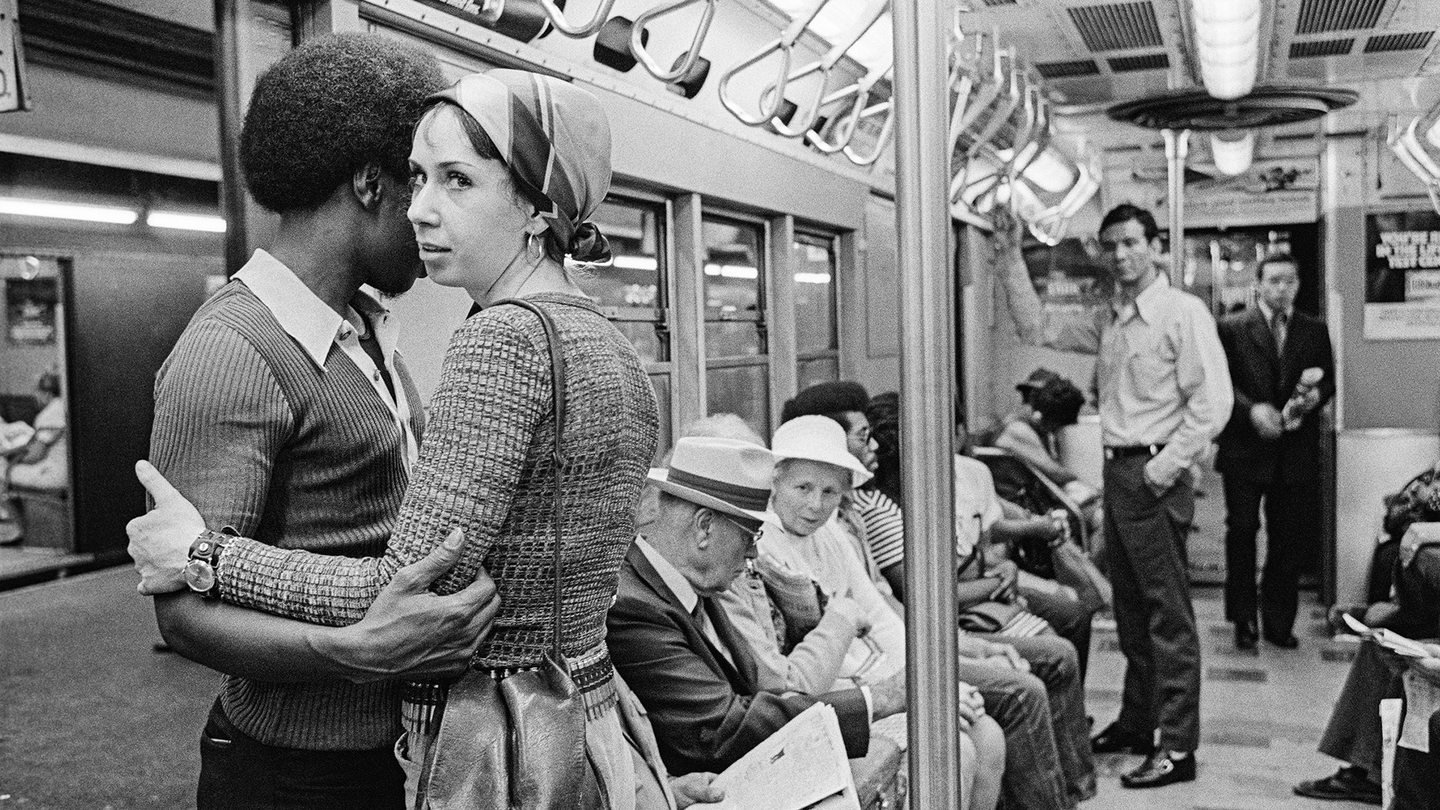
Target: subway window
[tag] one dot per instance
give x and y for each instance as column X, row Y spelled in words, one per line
column 817, row 338
column 737, row 362
column 634, row 292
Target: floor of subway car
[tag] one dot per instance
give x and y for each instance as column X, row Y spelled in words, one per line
column 92, row 717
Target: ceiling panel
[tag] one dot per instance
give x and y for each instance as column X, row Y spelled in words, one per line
column 1118, row 26
column 1319, row 16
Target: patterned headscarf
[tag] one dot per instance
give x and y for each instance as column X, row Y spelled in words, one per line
column 555, row 140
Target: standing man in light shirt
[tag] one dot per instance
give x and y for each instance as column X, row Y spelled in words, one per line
column 1164, row 394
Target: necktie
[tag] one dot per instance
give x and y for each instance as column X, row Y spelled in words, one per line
column 707, row 627
column 1278, row 326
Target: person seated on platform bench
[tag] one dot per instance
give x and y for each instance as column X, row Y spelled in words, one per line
column 675, row 647
column 41, row 464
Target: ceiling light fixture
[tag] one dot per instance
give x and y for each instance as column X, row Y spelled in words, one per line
column 21, row 207
column 185, row 222
column 1232, row 153
column 1227, row 38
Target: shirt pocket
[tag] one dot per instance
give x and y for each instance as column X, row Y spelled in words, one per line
column 1150, row 365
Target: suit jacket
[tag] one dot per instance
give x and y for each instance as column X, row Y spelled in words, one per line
column 1259, row 374
column 706, row 712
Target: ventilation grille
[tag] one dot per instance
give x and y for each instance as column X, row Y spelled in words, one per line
column 1150, row 61
column 1325, row 47
column 1059, row 70
column 1000, row 2
column 1318, row 16
column 1117, row 27
column 1398, row 42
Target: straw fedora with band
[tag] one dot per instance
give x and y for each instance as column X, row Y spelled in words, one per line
column 818, row 438
column 726, row 475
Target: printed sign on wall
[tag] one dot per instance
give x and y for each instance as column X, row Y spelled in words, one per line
column 1402, row 276
column 30, row 311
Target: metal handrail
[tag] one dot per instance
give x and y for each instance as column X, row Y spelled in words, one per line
column 966, row 115
column 844, row 127
column 637, row 43
column 887, row 129
column 1013, row 99
column 783, row 45
column 823, row 66
column 562, row 24
column 1404, row 143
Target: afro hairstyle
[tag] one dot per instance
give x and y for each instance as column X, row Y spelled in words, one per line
column 1058, row 400
column 832, row 399
column 884, row 415
column 329, row 107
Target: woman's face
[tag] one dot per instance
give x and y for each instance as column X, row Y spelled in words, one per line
column 807, row 493
column 467, row 220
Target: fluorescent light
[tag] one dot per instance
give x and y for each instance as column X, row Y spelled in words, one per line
column 21, row 207
column 813, row 278
column 731, row 271
column 185, row 222
column 1232, row 155
column 637, row 263
column 1227, row 37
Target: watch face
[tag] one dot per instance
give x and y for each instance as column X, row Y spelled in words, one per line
column 199, row 576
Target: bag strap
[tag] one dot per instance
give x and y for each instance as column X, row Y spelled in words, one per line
column 557, row 380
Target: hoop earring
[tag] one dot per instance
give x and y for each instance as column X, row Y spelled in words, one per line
column 534, row 247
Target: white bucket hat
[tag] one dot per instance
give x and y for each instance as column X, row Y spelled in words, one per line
column 727, row 475
column 818, row 438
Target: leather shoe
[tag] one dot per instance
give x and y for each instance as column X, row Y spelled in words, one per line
column 1285, row 642
column 1161, row 769
column 1116, row 740
column 1347, row 784
column 1246, row 635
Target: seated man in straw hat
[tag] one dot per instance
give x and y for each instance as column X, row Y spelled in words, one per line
column 677, row 650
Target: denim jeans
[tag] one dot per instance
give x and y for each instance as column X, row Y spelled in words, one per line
column 238, row 772
column 1048, row 765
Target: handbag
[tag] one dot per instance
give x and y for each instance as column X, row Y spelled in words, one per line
column 518, row 742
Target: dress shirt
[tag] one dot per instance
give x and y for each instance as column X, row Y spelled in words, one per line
column 317, row 327
column 689, row 599
column 1161, row 374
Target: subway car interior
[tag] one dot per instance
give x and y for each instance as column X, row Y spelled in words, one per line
column 804, row 193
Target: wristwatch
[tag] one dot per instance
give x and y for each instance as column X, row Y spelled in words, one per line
column 204, row 555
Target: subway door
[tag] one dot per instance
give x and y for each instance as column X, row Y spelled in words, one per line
column 126, row 312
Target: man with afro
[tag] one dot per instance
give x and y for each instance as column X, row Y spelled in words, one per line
column 285, row 414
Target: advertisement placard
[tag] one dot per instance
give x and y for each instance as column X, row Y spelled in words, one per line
column 1402, row 276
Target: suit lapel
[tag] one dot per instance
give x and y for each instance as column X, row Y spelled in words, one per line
column 745, row 667
column 1264, row 341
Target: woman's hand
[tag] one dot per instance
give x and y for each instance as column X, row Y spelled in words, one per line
column 851, row 609
column 1008, row 574
column 160, row 539
column 971, row 705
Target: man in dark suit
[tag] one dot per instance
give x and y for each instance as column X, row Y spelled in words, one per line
column 1270, row 450
column 677, row 650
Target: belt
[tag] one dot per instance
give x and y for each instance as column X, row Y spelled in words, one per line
column 1127, row 451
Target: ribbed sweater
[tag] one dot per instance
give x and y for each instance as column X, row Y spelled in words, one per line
column 485, row 466
column 258, row 438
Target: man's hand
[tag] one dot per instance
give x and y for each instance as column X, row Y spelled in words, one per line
column 1428, row 668
column 851, row 609
column 160, row 539
column 695, row 789
column 1006, row 655
column 1156, row 485
column 411, row 632
column 1266, row 420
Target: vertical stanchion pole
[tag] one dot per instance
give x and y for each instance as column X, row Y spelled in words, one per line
column 927, row 378
column 230, row 16
column 1177, row 148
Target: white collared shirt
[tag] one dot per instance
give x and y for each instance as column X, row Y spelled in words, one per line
column 680, row 586
column 316, row 327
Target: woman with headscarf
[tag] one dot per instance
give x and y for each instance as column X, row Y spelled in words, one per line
column 506, row 168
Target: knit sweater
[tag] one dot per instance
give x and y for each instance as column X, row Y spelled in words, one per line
column 259, row 438
column 486, row 467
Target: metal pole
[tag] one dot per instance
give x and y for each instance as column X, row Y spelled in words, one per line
column 1177, row 147
column 230, row 15
column 927, row 376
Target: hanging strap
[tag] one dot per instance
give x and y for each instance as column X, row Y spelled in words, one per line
column 557, row 379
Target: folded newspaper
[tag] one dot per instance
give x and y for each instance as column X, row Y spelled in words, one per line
column 800, row 767
column 1389, row 639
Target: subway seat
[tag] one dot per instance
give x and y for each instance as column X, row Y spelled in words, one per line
column 880, row 776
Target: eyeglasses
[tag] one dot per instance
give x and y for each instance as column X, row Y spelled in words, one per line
column 752, row 534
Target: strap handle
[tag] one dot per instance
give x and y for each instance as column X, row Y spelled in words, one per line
column 557, row 379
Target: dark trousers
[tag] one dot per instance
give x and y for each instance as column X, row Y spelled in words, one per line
column 1353, row 733
column 1146, row 535
column 238, row 772
column 1289, row 507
